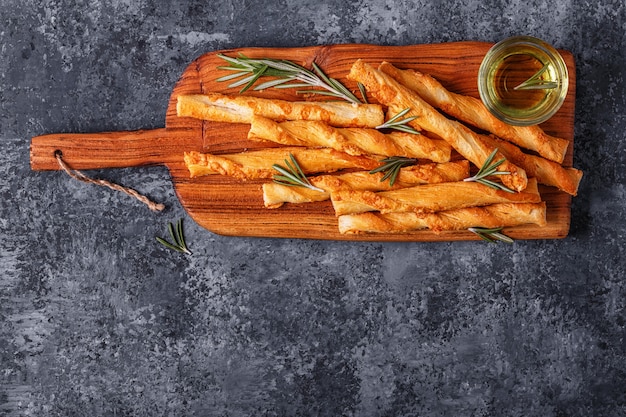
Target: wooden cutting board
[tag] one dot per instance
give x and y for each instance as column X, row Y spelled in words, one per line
column 230, row 207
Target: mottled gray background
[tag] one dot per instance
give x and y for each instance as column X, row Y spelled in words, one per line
column 97, row 319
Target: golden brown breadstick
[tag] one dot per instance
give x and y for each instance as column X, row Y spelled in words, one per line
column 399, row 144
column 353, row 141
column 274, row 195
column 547, row 172
column 468, row 143
column 429, row 198
column 308, row 133
column 492, row 216
column 258, row 164
column 240, row 109
column 471, row 110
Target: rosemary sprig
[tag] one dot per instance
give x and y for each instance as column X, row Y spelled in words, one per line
column 488, row 169
column 392, row 166
column 491, row 235
column 363, row 92
column 287, row 75
column 398, row 123
column 536, row 82
column 292, row 175
column 178, row 237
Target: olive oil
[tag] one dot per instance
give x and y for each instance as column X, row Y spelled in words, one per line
column 523, row 81
column 510, row 74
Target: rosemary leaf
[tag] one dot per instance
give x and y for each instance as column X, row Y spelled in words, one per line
column 290, row 85
column 178, row 238
column 488, row 169
column 399, row 115
column 342, row 89
column 169, row 245
column 278, row 83
column 254, row 78
column 398, row 123
column 392, row 166
column 535, row 82
column 229, row 77
column 318, row 92
column 320, row 73
column 234, row 61
column 181, row 236
column 293, row 176
column 242, row 81
column 491, row 235
column 406, row 129
column 170, row 228
column 363, row 92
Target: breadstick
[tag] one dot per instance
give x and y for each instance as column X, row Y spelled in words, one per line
column 471, row 110
column 429, row 198
column 275, row 195
column 258, row 164
column 353, row 141
column 408, row 144
column 468, row 143
column 240, row 109
column 496, row 215
column 547, row 172
column 301, row 133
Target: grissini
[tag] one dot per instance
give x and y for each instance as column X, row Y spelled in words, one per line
column 240, row 109
column 309, row 133
column 472, row 111
column 407, row 144
column 275, row 195
column 492, row 216
column 429, row 198
column 258, row 164
column 353, row 141
column 468, row 143
column 547, row 172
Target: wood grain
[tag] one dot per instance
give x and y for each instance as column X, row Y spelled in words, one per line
column 230, row 207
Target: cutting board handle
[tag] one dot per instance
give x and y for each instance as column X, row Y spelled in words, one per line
column 122, row 149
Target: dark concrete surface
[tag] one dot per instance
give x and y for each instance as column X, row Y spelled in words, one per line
column 97, row 319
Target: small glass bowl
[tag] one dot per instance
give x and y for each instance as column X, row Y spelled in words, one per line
column 511, row 62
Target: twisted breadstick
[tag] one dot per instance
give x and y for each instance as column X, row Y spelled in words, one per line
column 429, row 198
column 240, row 109
column 258, row 164
column 496, row 215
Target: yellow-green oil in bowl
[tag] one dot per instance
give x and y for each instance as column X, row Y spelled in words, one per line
column 523, row 81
